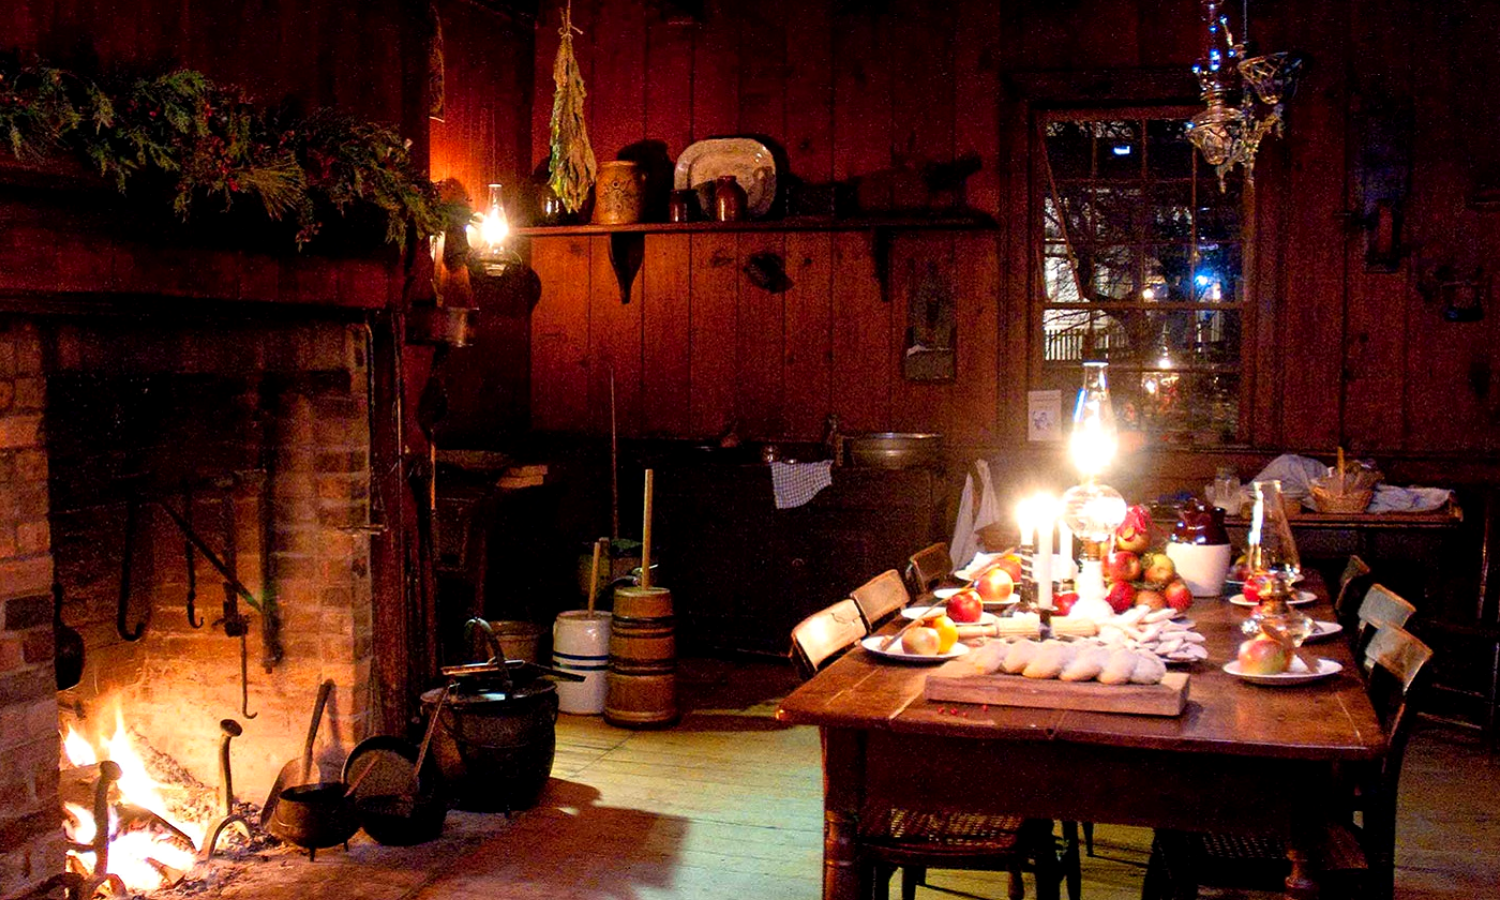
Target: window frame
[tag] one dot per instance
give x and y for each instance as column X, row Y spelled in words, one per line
column 1038, row 117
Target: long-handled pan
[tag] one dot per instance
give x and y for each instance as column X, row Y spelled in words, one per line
column 297, row 771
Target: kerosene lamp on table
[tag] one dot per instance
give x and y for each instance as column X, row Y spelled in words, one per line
column 1091, row 509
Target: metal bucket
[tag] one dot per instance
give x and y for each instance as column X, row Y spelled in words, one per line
column 496, row 749
column 519, row 640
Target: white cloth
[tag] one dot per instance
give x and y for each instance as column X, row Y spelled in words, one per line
column 977, row 509
column 1296, row 474
column 795, row 484
column 1413, row 499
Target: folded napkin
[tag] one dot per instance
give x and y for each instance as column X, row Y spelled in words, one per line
column 795, row 484
column 1413, row 499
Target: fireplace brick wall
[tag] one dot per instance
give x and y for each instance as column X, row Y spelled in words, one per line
column 273, row 416
column 30, row 840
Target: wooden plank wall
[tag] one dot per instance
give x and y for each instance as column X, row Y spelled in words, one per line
column 1336, row 353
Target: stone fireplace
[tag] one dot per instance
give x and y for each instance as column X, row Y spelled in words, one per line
column 252, row 428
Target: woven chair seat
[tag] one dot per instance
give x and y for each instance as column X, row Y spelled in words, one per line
column 933, row 834
column 1256, row 862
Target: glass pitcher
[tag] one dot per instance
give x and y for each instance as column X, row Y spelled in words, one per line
column 1272, row 549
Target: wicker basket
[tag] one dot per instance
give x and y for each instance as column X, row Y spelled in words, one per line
column 1349, row 502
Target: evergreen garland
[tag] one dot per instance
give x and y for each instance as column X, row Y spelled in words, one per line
column 214, row 144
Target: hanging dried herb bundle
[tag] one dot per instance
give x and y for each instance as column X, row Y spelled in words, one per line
column 572, row 157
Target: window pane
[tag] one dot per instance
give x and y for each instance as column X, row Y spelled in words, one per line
column 1168, row 153
column 1119, row 150
column 1070, row 149
column 1151, row 237
column 1171, row 213
column 1195, row 407
column 1113, row 212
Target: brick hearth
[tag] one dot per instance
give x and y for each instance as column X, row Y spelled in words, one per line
column 267, row 419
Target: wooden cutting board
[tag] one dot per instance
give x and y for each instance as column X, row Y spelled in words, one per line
column 1168, row 698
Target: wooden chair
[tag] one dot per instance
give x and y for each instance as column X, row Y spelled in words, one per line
column 1470, row 644
column 915, row 840
column 1358, row 861
column 1353, row 583
column 880, row 597
column 1381, row 606
column 929, row 568
column 821, row 637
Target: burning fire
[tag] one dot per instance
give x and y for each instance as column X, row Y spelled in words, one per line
column 144, row 854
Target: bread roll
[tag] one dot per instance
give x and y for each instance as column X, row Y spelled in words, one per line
column 1149, row 669
column 1087, row 664
column 1049, row 660
column 1119, row 667
column 1018, row 656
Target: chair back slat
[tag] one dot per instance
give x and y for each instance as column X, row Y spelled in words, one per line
column 822, row 636
column 1351, row 587
column 1398, row 662
column 1381, row 606
column 880, row 597
column 929, row 566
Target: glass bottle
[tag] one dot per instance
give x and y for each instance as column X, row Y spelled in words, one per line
column 1272, row 550
column 1275, row 617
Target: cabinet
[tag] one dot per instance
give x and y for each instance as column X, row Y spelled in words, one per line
column 742, row 572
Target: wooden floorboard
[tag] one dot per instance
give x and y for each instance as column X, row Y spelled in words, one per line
column 728, row 804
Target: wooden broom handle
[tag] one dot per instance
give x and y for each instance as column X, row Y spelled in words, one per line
column 646, row 532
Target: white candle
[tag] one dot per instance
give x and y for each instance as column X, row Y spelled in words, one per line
column 1064, row 539
column 1046, row 520
column 1027, row 522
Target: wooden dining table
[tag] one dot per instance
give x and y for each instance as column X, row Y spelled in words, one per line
column 1240, row 758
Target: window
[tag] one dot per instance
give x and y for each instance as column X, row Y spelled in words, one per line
column 1139, row 263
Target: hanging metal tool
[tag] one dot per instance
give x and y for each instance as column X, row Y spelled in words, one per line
column 123, row 609
column 236, row 623
column 191, row 555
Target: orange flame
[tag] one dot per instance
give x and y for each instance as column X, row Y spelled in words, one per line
column 136, row 855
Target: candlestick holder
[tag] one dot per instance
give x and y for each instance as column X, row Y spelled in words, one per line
column 1027, row 588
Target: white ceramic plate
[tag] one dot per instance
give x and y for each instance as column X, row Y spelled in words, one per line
column 1301, row 598
column 918, row 612
column 746, row 159
column 1298, row 674
column 1007, row 603
column 1322, row 631
column 895, row 652
column 945, row 593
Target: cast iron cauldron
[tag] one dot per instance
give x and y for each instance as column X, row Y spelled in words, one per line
column 495, row 747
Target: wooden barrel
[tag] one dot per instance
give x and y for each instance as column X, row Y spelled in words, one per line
column 642, row 677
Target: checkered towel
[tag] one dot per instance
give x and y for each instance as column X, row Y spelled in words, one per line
column 797, row 483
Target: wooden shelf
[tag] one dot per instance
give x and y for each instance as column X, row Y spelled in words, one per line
column 627, row 243
column 805, row 223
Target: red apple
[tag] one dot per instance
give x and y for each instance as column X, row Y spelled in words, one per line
column 1179, row 597
column 1122, row 565
column 1134, row 534
column 1121, row 596
column 1158, row 568
column 965, row 607
column 1150, row 599
column 1264, row 656
column 1011, row 563
column 1254, row 585
column 994, row 585
column 1062, row 603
